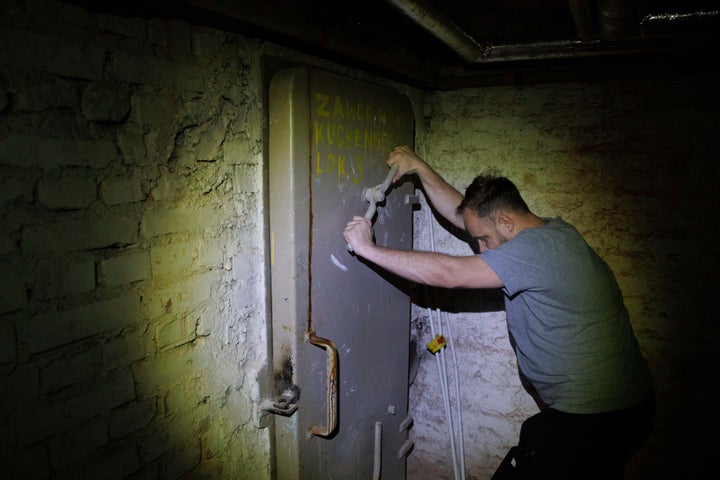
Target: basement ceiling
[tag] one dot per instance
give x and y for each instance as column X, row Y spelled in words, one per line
column 449, row 44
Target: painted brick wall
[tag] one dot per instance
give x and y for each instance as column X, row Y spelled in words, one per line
column 634, row 165
column 132, row 300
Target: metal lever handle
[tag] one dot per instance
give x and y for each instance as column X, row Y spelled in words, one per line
column 375, row 195
column 332, row 385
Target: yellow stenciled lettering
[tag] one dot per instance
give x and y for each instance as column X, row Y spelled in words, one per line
column 382, row 119
column 358, row 138
column 331, row 133
column 330, row 162
column 340, row 135
column 319, row 135
column 349, row 131
column 323, row 100
column 318, row 165
column 338, row 111
column 369, row 141
column 377, row 140
column 351, row 116
column 342, row 173
column 349, row 140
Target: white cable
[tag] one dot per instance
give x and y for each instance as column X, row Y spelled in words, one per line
column 442, row 371
column 448, row 413
column 458, row 401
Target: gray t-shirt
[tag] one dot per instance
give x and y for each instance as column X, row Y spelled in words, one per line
column 568, row 322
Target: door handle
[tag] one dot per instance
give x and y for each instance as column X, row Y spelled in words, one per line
column 332, row 385
column 377, row 459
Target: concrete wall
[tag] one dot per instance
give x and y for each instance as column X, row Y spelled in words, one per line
column 133, row 309
column 634, row 165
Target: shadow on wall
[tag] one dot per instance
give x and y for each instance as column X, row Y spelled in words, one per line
column 450, row 300
column 459, row 300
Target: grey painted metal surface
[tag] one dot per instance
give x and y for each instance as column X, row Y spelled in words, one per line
column 340, row 326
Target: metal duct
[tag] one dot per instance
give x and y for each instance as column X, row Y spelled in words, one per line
column 444, row 29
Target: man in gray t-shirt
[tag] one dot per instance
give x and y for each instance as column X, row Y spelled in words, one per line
column 570, row 328
column 576, row 349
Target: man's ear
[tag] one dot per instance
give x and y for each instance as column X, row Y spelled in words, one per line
column 505, row 223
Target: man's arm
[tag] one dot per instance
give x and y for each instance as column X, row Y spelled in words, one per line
column 444, row 197
column 428, row 268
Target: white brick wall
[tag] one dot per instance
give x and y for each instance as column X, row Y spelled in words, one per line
column 121, row 220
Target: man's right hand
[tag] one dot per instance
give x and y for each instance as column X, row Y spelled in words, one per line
column 407, row 161
column 441, row 194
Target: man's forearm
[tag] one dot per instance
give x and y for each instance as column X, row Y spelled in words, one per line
column 421, row 267
column 444, row 197
column 431, row 268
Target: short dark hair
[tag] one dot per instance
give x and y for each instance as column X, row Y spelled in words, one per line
column 489, row 194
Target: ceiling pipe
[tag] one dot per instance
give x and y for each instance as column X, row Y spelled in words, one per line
column 300, row 34
column 613, row 20
column 604, row 27
column 685, row 22
column 443, row 28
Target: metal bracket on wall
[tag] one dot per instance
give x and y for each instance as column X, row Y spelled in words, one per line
column 286, row 402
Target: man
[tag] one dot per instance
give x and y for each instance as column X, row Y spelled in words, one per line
column 576, row 350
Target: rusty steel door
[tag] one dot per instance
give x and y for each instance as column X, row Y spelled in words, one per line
column 340, row 326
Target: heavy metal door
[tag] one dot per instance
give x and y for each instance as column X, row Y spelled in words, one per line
column 340, row 326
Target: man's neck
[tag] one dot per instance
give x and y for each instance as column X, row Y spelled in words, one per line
column 529, row 220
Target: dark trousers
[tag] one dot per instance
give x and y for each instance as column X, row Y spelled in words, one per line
column 560, row 445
